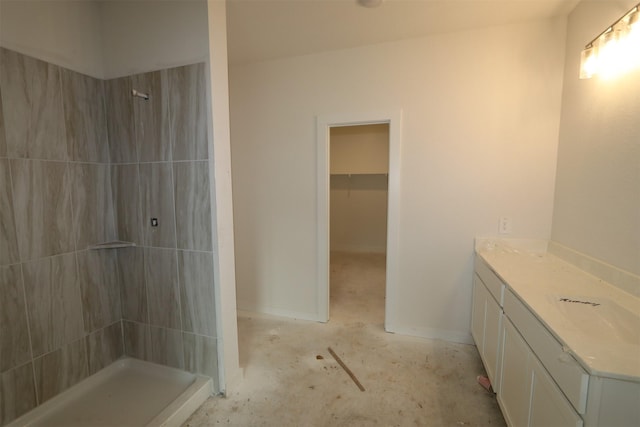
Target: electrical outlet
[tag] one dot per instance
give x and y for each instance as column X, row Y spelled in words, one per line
column 154, row 222
column 504, row 226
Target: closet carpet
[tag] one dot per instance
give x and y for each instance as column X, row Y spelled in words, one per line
column 290, row 378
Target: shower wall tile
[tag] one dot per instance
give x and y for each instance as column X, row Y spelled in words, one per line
column 53, row 302
column 187, row 111
column 137, row 340
column 14, row 84
column 193, row 205
column 98, row 273
column 167, row 347
column 32, row 107
column 59, row 370
column 86, row 309
column 104, row 347
column 120, row 120
column 14, row 333
column 92, row 205
column 3, row 139
column 85, row 117
column 195, row 274
column 42, row 195
column 125, row 187
column 8, row 242
column 17, row 393
column 156, row 197
column 163, row 295
column 201, row 355
column 132, row 284
column 152, row 117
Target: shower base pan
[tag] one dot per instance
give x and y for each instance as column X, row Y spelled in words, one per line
column 129, row 392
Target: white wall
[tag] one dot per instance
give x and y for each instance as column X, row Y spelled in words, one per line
column 107, row 39
column 597, row 199
column 141, row 36
column 479, row 140
column 65, row 33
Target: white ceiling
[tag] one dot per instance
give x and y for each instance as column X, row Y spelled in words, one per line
column 268, row 29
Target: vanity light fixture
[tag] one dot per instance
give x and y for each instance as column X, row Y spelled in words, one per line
column 616, row 50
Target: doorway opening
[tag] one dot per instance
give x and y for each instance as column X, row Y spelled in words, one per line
column 359, row 168
column 346, row 185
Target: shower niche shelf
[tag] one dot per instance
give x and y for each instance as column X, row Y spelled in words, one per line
column 115, row 244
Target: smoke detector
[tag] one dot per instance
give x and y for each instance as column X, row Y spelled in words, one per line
column 370, row 3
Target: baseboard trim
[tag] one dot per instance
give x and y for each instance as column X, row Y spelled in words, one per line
column 266, row 313
column 433, row 334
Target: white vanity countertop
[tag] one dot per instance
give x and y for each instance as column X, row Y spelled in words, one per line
column 598, row 323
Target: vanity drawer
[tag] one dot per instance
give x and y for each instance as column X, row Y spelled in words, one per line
column 565, row 371
column 490, row 280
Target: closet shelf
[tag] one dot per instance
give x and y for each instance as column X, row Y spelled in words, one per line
column 112, row 245
column 359, row 173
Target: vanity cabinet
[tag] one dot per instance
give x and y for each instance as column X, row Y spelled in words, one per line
column 548, row 405
column 515, row 381
column 539, row 380
column 488, row 295
column 567, row 373
column 528, row 395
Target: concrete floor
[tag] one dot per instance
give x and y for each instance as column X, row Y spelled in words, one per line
column 290, row 379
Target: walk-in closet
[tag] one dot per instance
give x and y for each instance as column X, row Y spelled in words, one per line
column 359, row 166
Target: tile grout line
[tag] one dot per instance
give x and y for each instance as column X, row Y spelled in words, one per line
column 175, row 216
column 13, row 211
column 116, row 218
column 24, row 293
column 74, row 232
column 173, row 329
column 146, row 335
column 28, row 319
column 152, row 162
column 127, row 82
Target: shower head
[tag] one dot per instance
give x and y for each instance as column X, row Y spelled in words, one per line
column 139, row 94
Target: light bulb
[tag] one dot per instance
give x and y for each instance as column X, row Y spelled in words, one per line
column 634, row 19
column 588, row 62
column 611, row 54
column 632, row 39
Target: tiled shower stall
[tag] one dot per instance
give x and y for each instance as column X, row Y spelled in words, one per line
column 83, row 162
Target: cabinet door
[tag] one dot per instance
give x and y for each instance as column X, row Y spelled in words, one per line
column 514, row 393
column 477, row 312
column 549, row 407
column 492, row 330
